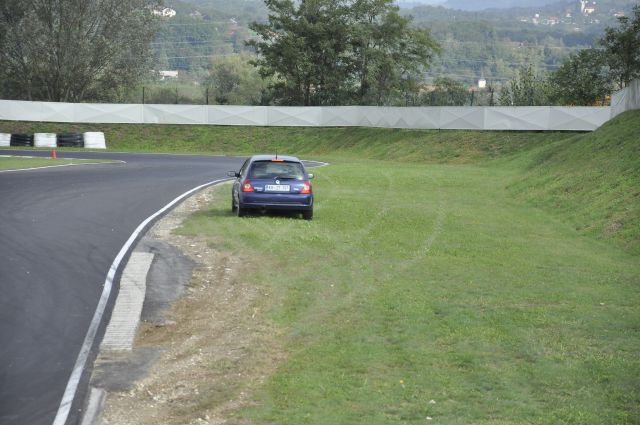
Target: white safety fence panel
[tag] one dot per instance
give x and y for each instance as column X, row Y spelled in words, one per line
column 462, row 118
column 45, row 140
column 294, row 116
column 13, row 110
column 108, row 113
column 5, row 139
column 56, row 112
column 237, row 115
column 382, row 117
column 343, row 116
column 394, row 117
column 511, row 118
column 176, row 114
column 578, row 118
column 423, row 118
column 626, row 99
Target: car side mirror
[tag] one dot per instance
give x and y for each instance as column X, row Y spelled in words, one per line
column 233, row 174
column 310, row 176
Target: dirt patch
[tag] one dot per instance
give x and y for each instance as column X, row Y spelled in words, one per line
column 216, row 345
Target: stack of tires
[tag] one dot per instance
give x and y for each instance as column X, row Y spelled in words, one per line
column 90, row 140
column 21, row 140
column 70, row 140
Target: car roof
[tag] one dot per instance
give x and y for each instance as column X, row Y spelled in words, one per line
column 272, row 157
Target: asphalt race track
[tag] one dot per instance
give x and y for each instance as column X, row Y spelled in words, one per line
column 60, row 230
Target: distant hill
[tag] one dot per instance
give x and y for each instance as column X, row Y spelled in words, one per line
column 492, row 44
column 496, row 4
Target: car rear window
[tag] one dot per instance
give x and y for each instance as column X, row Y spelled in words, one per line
column 276, row 169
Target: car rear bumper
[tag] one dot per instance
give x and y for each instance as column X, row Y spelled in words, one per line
column 276, row 201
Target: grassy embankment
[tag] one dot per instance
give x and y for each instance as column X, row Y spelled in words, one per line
column 589, row 180
column 485, row 278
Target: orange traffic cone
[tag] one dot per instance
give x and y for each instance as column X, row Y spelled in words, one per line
column 53, row 154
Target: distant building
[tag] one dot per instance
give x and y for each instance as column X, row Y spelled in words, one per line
column 587, row 7
column 233, row 26
column 482, row 83
column 167, row 74
column 536, row 19
column 166, row 12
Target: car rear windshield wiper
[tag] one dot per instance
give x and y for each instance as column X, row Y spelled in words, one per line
column 286, row 178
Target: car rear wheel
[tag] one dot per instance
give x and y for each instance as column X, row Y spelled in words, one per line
column 307, row 215
column 234, row 208
column 241, row 212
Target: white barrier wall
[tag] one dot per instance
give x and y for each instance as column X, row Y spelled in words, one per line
column 626, row 99
column 462, row 118
column 45, row 140
column 5, row 139
column 94, row 140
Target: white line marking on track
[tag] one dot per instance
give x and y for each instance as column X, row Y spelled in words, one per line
column 78, row 368
column 63, row 165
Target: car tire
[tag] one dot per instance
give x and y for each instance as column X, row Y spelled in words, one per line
column 234, row 208
column 307, row 215
column 241, row 212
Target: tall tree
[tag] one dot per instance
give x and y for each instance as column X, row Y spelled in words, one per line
column 447, row 92
column 233, row 80
column 622, row 48
column 304, row 48
column 527, row 89
column 582, row 79
column 388, row 54
column 74, row 50
column 332, row 52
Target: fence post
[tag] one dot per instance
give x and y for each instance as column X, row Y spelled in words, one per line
column 143, row 95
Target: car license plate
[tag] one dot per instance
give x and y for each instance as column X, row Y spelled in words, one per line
column 277, row 188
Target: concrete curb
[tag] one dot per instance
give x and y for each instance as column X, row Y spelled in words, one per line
column 125, row 317
column 93, row 412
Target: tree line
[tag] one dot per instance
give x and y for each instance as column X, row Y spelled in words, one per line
column 308, row 52
column 74, row 50
column 586, row 77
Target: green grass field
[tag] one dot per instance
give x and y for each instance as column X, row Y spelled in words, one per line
column 417, row 283
column 469, row 292
column 19, row 163
column 447, row 277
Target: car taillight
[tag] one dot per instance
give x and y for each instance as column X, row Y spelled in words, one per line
column 306, row 189
column 247, row 187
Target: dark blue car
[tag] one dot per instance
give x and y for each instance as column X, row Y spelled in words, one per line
column 272, row 182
